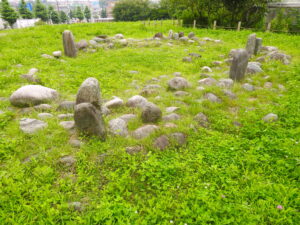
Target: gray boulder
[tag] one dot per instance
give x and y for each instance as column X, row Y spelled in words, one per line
column 114, row 103
column 151, row 113
column 207, row 81
column 137, row 101
column 161, row 142
column 191, row 35
column 30, row 126
column 179, row 138
column 68, row 125
column 127, row 117
column 32, row 95
column 171, row 117
column 254, row 67
column 225, row 83
column 82, row 44
column 66, row 106
column 212, row 98
column 201, row 119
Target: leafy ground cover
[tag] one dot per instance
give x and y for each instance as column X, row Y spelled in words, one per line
column 224, row 175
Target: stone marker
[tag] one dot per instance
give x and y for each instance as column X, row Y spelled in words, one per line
column 258, row 45
column 32, row 95
column 69, row 44
column 239, row 65
column 251, row 44
column 89, row 91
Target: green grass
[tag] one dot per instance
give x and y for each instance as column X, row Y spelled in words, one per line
column 224, row 175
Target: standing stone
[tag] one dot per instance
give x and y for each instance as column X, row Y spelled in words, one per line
column 69, row 44
column 239, row 65
column 151, row 113
column 251, row 44
column 171, row 33
column 89, row 91
column 258, row 45
column 88, row 119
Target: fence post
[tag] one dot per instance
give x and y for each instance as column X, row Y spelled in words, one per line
column 268, row 27
column 239, row 26
column 144, row 22
column 195, row 24
column 215, row 25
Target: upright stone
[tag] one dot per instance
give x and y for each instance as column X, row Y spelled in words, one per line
column 258, row 45
column 89, row 91
column 239, row 65
column 251, row 44
column 69, row 44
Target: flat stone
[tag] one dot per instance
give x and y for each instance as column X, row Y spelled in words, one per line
column 200, row 88
column 207, row 81
column 57, row 54
column 67, row 160
column 248, row 87
column 172, row 109
column 144, row 131
column 202, row 119
column 229, row 94
column 30, row 126
column 32, row 95
column 212, row 98
column 170, row 125
column 43, row 107
column 137, row 101
column 161, row 142
column 65, row 116
column 45, row 115
column 114, row 103
column 254, row 67
column 66, row 106
column 271, row 117
column 46, row 56
column 171, row 117
column 206, row 69
column 127, row 117
column 195, row 55
column 68, row 125
column 178, row 83
column 181, row 93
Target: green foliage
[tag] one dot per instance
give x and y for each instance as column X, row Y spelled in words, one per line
column 53, row 15
column 79, row 13
column 87, row 13
column 24, row 12
column 134, row 10
column 287, row 20
column 8, row 13
column 40, row 11
column 223, row 175
column 72, row 14
column 63, row 17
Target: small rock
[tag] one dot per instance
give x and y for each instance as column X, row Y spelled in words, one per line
column 281, row 87
column 127, row 117
column 207, row 81
column 77, row 206
column 134, row 150
column 191, row 35
column 30, row 126
column 47, row 56
column 225, row 83
column 195, row 55
column 187, row 59
column 67, row 160
column 161, row 142
column 45, row 115
column 115, row 103
column 179, row 138
column 68, row 125
column 181, row 93
column 43, row 107
column 177, row 74
column 82, row 44
column 118, row 127
column 65, row 116
column 119, row 36
column 248, row 87
column 172, row 109
column 217, row 63
column 268, row 85
column 57, row 54
column 171, row 117
column 75, row 143
column 254, row 67
column 158, row 35
column 271, row 117
column 200, row 88
column 178, row 83
column 137, row 101
column 229, row 94
column 66, row 106
column 170, row 125
column 202, row 119
column 144, row 131
column 212, row 98
column 206, row 69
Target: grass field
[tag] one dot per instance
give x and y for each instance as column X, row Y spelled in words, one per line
column 224, row 175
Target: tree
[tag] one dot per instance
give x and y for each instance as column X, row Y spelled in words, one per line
column 79, row 13
column 103, row 13
column 63, row 17
column 40, row 11
column 53, row 15
column 72, row 14
column 87, row 13
column 24, row 12
column 131, row 10
column 8, row 13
